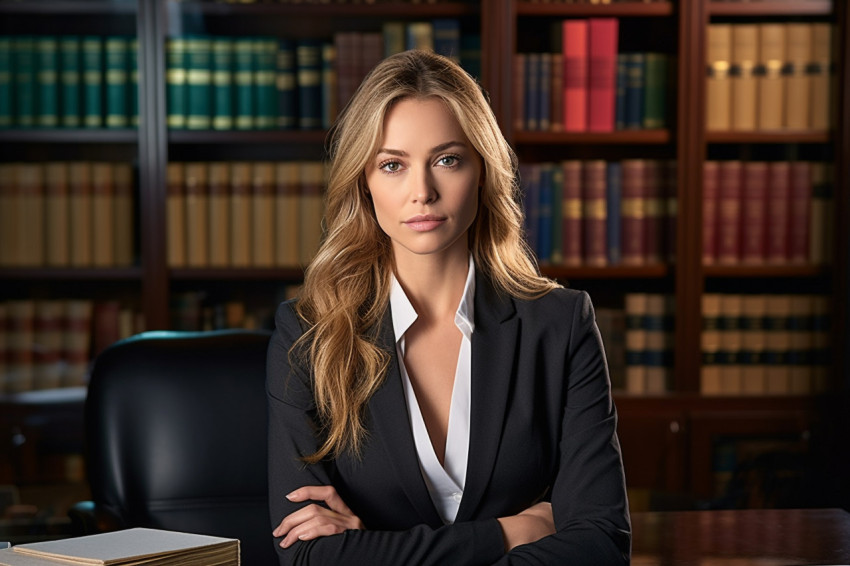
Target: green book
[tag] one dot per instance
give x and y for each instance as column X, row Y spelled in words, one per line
column 394, row 37
column 198, row 82
column 222, row 81
column 264, row 80
column 23, row 62
column 70, row 73
column 134, row 83
column 6, row 88
column 117, row 81
column 243, row 73
column 175, row 83
column 287, row 96
column 92, row 81
column 47, row 63
column 655, row 91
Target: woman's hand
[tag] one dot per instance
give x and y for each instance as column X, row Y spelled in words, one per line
column 528, row 526
column 314, row 521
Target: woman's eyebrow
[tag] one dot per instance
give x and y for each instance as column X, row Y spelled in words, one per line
column 435, row 149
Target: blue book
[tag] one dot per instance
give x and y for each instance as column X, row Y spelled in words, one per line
column 447, row 38
column 635, row 69
column 544, row 214
column 287, row 100
column 544, row 106
column 532, row 92
column 620, row 100
column 613, row 222
column 308, row 57
column 470, row 54
column 529, row 179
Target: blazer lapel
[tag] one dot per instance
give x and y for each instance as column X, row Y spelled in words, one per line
column 493, row 350
column 388, row 409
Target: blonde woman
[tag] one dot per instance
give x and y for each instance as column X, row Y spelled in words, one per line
column 432, row 398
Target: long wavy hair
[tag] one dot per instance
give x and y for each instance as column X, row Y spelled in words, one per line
column 347, row 285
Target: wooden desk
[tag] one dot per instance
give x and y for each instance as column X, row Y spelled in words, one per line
column 770, row 537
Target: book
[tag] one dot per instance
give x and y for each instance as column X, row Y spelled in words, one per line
column 76, row 342
column 70, row 80
column 287, row 98
column 123, row 225
column 544, row 214
column 572, row 212
column 602, row 73
column 47, row 65
column 25, row 83
column 175, row 215
column 198, row 62
column 753, row 337
column 556, row 236
column 310, row 209
column 532, row 91
column 8, row 252
column 240, row 214
column 670, row 183
column 657, row 356
column 308, row 56
column 286, row 195
column 20, row 334
column 219, row 214
column 103, row 215
column 772, row 84
column 117, row 81
column 394, row 37
column 797, row 80
column 7, row 90
column 754, row 213
column 575, row 52
column 419, row 35
column 821, row 215
column 106, row 326
column 262, row 215
column 777, row 344
column 93, row 79
column 730, row 179
column 222, row 83
column 556, row 93
column 31, row 215
column 129, row 546
column 614, row 216
column 636, row 306
column 633, row 111
column 729, row 356
column 544, row 91
column 244, row 66
column 4, row 355
column 265, row 87
column 743, row 77
column 778, row 212
column 822, row 101
column 330, row 89
column 620, row 99
column 133, row 108
column 634, row 212
column 655, row 91
column 197, row 214
column 81, row 220
column 57, row 215
column 718, row 93
column 654, row 212
column 800, row 203
column 710, row 188
column 447, row 37
column 595, row 213
column 710, row 372
column 530, row 177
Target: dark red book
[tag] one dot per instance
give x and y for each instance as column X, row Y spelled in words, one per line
column 595, row 213
column 754, row 213
column 778, row 212
column 572, row 213
column 106, row 327
column 730, row 178
column 801, row 206
column 633, row 206
column 575, row 47
column 670, row 179
column 602, row 73
column 654, row 210
column 710, row 181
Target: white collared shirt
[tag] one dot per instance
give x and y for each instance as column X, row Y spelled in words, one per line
column 445, row 483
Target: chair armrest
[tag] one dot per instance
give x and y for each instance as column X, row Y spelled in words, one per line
column 87, row 518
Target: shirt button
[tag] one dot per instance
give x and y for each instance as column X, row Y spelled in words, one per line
column 456, row 496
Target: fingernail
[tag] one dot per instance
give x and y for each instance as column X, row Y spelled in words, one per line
column 290, row 495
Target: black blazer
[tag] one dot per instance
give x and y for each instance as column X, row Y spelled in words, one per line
column 543, row 426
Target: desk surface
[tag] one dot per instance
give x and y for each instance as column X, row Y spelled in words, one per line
column 769, row 537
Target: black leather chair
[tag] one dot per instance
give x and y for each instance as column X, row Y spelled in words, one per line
column 176, row 438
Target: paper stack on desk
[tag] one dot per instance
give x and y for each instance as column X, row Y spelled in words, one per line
column 131, row 547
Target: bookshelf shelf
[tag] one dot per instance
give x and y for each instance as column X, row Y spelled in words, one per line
column 630, row 137
column 91, row 7
column 771, row 8
column 250, row 137
column 609, row 272
column 235, row 274
column 72, row 274
column 609, row 10
column 756, row 271
column 780, row 137
column 397, row 10
column 69, row 136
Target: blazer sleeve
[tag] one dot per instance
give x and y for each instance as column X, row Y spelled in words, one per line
column 293, row 433
column 588, row 497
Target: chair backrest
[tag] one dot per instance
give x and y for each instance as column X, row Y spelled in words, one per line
column 176, row 435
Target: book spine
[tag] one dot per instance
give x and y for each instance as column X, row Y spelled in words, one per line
column 544, row 91
column 710, row 190
column 330, row 89
column 219, row 214
column 47, row 65
column 635, row 87
column 777, row 344
column 240, row 214
column 19, row 346
column 287, row 98
column 556, row 93
column 222, row 83
column 771, row 80
column 633, row 210
column 530, row 176
column 730, row 344
column 532, row 92
column 47, row 344
column 754, row 213
column 544, row 215
column 820, row 73
column 753, row 376
column 819, row 221
column 24, row 61
column 557, row 226
column 572, row 213
column 265, row 87
column 622, row 82
column 447, row 37
column 718, row 87
column 470, row 53
column 654, row 213
column 602, row 73
column 71, row 81
column 133, row 109
column 122, row 175
column 671, row 185
column 31, row 215
column 655, row 91
column 105, row 325
column 730, row 179
column 243, row 73
column 198, row 82
column 57, row 219
column 800, row 199
column 595, row 213
column 309, row 61
column 76, row 342
column 659, row 344
column 197, row 214
column 743, row 78
column 798, row 82
column 310, row 228
column 8, row 197
column 420, row 35
column 7, row 90
column 800, row 369
column 394, row 40
column 117, row 55
column 175, row 209
column 176, row 82
column 93, row 66
column 710, row 344
column 262, row 217
column 636, row 305
column 778, row 212
column 81, row 222
column 287, row 186
column 520, row 68
column 613, row 221
column 575, row 51
column 103, row 215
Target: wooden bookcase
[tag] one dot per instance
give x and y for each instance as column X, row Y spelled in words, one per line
column 667, row 439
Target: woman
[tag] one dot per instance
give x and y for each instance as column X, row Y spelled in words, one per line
column 432, row 398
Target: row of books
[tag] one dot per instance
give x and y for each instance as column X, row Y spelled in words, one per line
column 639, row 343
column 759, row 213
column 769, row 76
column 224, row 83
column 198, row 310
column 68, row 81
column 765, row 344
column 599, row 213
column 244, row 214
column 49, row 343
column 545, row 92
column 66, row 214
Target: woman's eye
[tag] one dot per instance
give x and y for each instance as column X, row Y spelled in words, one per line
column 391, row 167
column 448, row 161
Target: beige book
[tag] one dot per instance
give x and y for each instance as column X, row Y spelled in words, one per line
column 103, row 215
column 798, row 81
column 197, row 215
column 123, row 224
column 777, row 344
column 57, row 215
column 636, row 306
column 800, row 369
column 658, row 344
column 48, row 344
column 80, row 191
column 8, row 256
column 820, row 309
column 731, row 308
column 219, row 209
column 240, row 214
column 31, row 210
column 718, row 85
column 710, row 341
column 753, row 311
column 262, row 215
column 772, row 85
column 286, row 197
column 175, row 212
column 77, row 342
column 126, row 322
column 20, row 335
column 310, row 207
column 743, row 78
column 822, row 94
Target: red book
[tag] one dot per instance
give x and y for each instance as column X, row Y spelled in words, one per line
column 595, row 213
column 801, row 206
column 654, row 212
column 575, row 75
column 602, row 73
column 671, row 200
column 633, row 212
column 778, row 211
column 754, row 213
column 106, row 329
column 710, row 180
column 572, row 213
column 729, row 212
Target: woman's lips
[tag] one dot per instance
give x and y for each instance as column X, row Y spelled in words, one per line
column 424, row 223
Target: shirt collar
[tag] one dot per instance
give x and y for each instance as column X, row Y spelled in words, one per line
column 404, row 315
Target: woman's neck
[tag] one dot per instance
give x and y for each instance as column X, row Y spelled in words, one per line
column 433, row 283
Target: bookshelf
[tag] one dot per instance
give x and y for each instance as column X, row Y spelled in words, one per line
column 679, row 423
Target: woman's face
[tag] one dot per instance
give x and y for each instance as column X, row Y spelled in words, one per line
column 424, row 179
